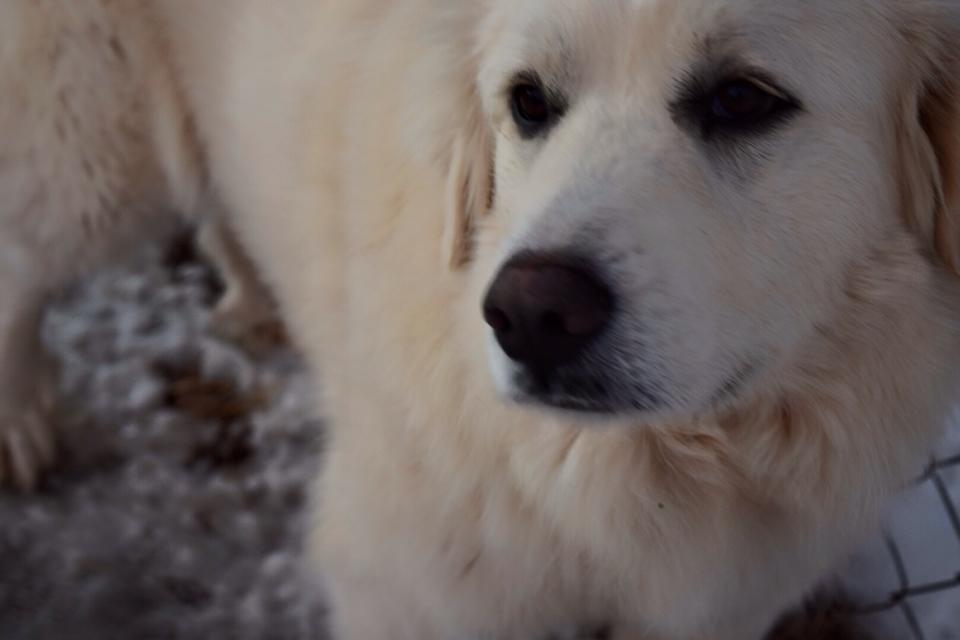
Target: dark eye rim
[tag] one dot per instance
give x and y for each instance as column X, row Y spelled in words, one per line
column 554, row 103
column 695, row 107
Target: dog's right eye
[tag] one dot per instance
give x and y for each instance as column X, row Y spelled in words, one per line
column 531, row 108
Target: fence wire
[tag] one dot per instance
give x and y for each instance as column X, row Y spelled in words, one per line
column 907, row 591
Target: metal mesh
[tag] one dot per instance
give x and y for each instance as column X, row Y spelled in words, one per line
column 903, row 598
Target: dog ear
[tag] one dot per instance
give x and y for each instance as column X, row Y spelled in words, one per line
column 930, row 137
column 469, row 188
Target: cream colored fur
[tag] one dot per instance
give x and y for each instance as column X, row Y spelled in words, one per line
column 97, row 152
column 364, row 147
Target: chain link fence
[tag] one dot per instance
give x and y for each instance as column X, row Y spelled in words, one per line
column 904, row 594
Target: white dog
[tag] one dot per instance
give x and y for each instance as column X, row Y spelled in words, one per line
column 704, row 313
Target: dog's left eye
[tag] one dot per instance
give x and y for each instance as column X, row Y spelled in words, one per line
column 744, row 106
column 741, row 100
column 738, row 106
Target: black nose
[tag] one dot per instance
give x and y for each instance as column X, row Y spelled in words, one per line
column 545, row 310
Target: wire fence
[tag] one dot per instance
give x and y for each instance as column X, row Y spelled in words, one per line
column 902, row 599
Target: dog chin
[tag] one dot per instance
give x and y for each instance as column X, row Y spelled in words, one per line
column 588, row 413
column 586, row 398
column 566, row 404
column 593, row 400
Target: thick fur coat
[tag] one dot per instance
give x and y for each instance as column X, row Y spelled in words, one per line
column 782, row 349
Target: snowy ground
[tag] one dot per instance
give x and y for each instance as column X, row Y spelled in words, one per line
column 177, row 512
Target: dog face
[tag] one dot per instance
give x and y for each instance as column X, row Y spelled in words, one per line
column 683, row 188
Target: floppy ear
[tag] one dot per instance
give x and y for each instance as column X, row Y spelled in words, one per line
column 930, row 137
column 469, row 188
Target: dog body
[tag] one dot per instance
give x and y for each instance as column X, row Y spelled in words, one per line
column 757, row 200
column 779, row 351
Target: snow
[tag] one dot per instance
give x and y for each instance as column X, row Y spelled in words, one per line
column 177, row 509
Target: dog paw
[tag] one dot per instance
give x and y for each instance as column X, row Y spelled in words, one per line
column 27, row 447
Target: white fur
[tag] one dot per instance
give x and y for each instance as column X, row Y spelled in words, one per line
column 347, row 137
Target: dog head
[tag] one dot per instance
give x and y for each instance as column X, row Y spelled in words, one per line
column 682, row 189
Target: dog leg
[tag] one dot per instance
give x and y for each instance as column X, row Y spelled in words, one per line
column 245, row 305
column 26, row 387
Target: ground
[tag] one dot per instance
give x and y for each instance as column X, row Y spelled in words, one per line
column 178, row 510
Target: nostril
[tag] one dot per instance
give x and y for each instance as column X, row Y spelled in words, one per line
column 498, row 320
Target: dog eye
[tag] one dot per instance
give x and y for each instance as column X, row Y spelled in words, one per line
column 743, row 106
column 531, row 109
column 741, row 100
